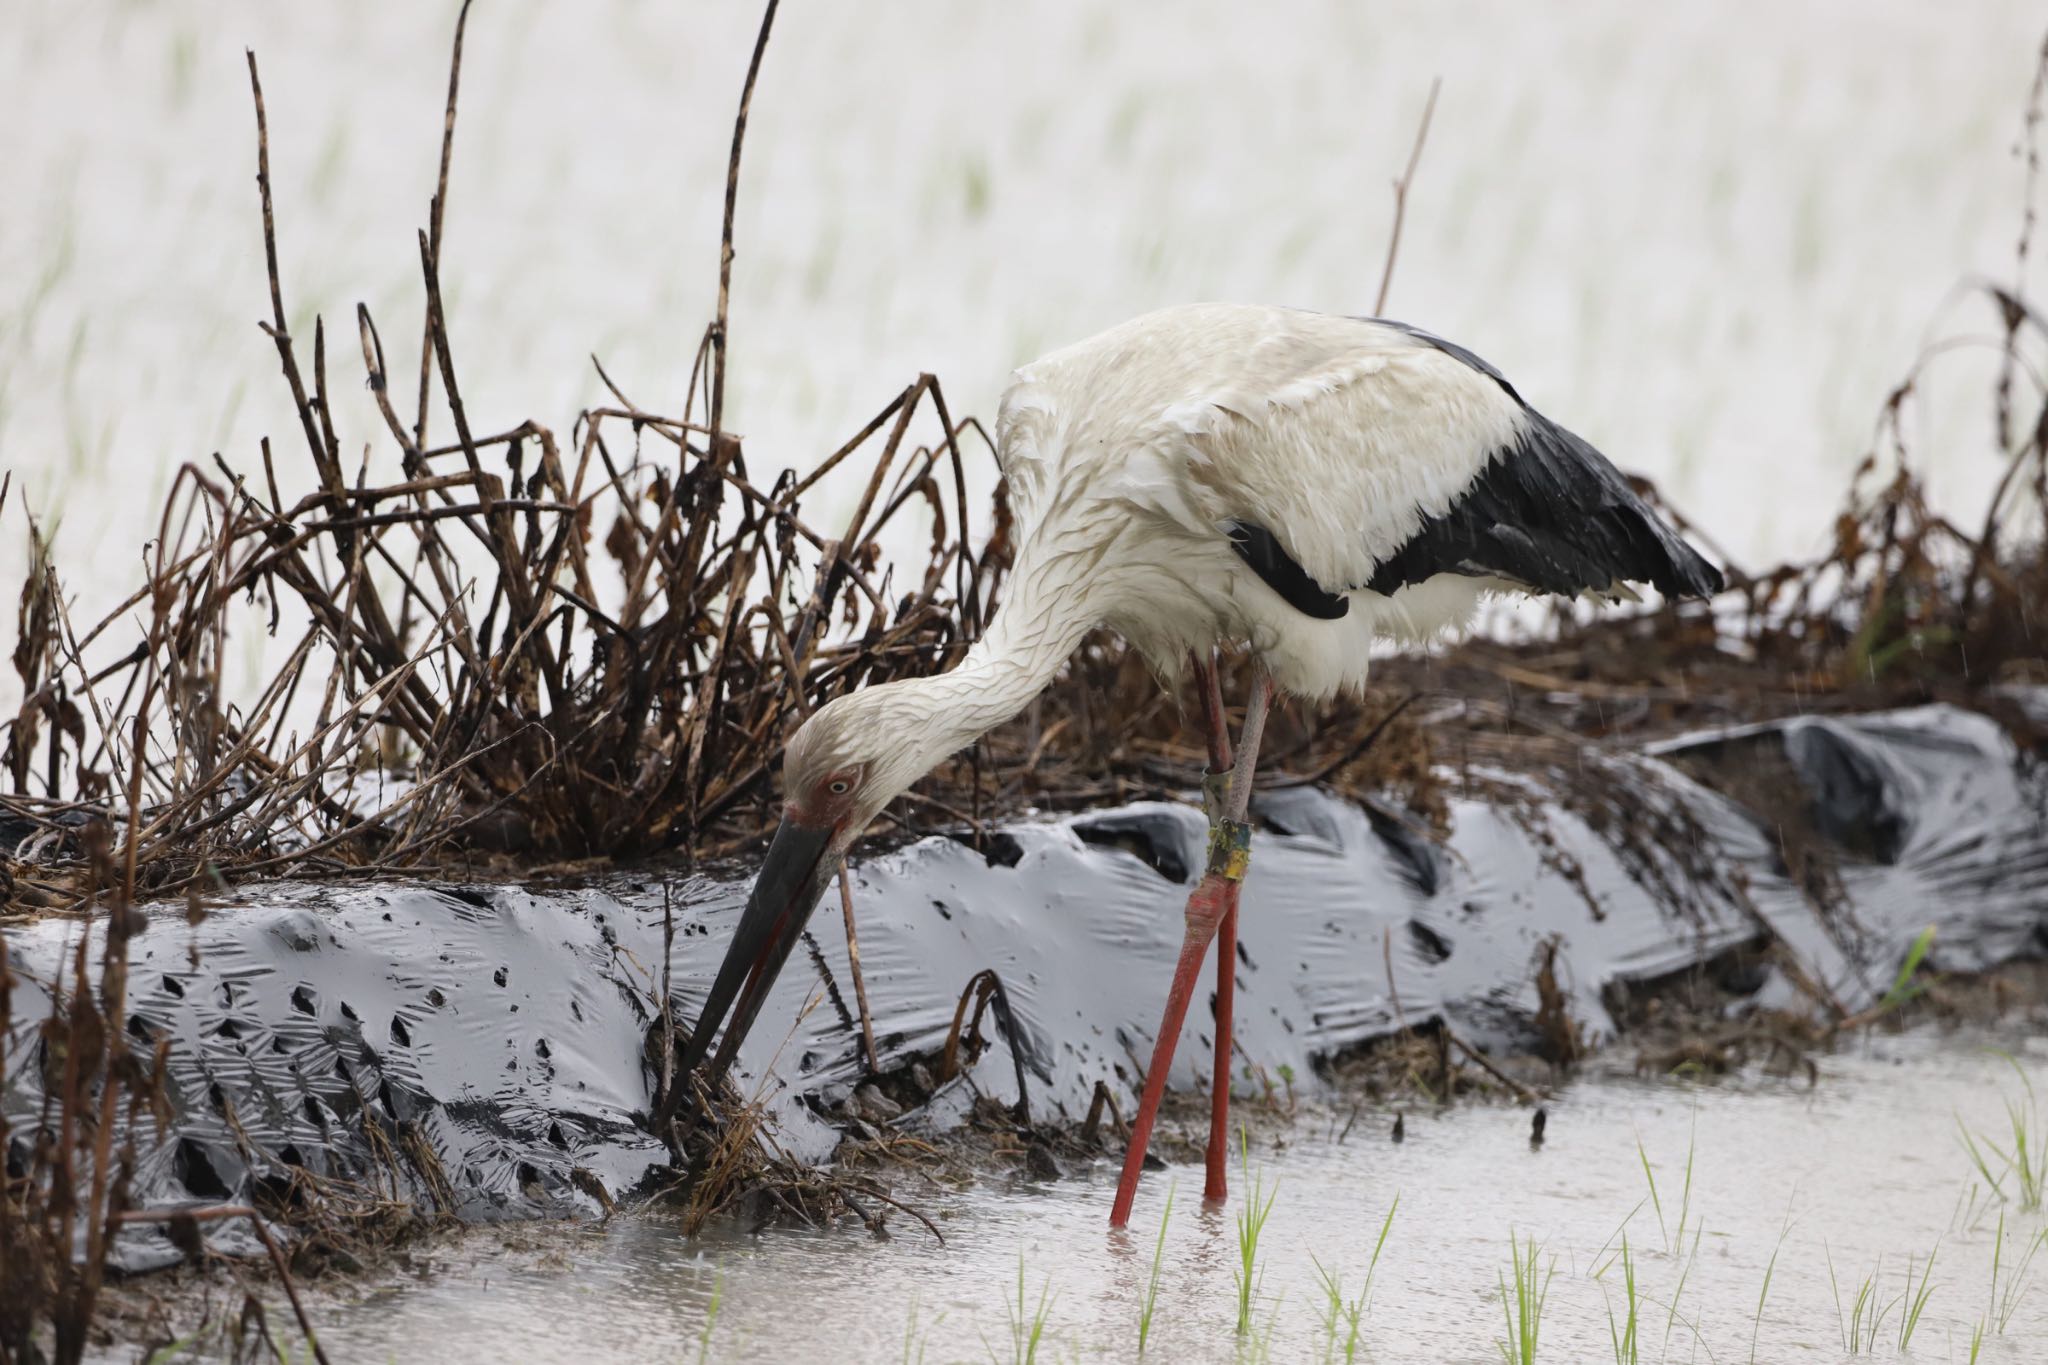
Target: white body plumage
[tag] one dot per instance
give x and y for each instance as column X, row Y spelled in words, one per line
column 1129, row 454
column 1302, row 483
column 1199, row 477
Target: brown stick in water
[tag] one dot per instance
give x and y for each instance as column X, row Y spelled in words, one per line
column 860, row 985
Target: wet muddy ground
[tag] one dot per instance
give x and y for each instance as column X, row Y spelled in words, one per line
column 1863, row 1171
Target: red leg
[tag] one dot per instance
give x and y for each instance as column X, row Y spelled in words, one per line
column 1207, row 909
column 1213, row 903
column 1217, row 1189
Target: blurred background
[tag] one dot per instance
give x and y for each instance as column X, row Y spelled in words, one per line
column 1710, row 239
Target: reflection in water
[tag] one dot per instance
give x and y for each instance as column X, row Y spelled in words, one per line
column 1865, row 1166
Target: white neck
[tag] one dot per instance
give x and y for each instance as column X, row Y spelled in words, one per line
column 1040, row 622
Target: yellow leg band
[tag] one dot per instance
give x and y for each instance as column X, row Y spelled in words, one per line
column 1230, row 849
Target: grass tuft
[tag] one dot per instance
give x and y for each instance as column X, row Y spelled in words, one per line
column 1152, row 1283
column 1027, row 1326
column 1251, row 1222
column 1916, row 1298
column 1349, row 1312
column 1522, row 1305
column 1622, row 1335
column 2024, row 1160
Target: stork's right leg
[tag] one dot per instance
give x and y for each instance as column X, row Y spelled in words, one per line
column 1206, row 908
column 1213, row 900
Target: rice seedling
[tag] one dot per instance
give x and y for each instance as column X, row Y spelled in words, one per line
column 1027, row 1326
column 1152, row 1282
column 1972, row 1203
column 2009, row 1283
column 1914, row 1302
column 1770, row 1268
column 1685, row 1194
column 2025, row 1161
column 1656, row 1200
column 916, row 1335
column 1349, row 1312
column 1522, row 1306
column 1904, row 987
column 1622, row 1335
column 710, row 1316
column 1671, row 1314
column 1600, row 1267
column 1867, row 1311
column 1258, row 1349
column 1336, row 1309
column 1386, row 1226
column 171, row 1350
column 1251, row 1221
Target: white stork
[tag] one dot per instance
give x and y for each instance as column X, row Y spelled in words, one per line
column 1296, row 483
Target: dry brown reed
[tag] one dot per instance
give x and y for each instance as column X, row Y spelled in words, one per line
column 564, row 651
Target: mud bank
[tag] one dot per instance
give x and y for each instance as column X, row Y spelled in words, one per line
column 481, row 1050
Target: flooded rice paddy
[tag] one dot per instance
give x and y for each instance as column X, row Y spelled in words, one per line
column 1756, row 1181
column 1710, row 244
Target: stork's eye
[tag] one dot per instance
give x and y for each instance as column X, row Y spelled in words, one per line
column 840, row 786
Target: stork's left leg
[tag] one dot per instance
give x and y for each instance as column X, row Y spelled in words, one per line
column 1210, row 905
column 1215, row 798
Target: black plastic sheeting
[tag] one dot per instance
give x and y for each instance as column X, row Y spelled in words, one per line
column 497, row 1034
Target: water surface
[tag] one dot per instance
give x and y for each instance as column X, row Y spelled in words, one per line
column 1864, row 1170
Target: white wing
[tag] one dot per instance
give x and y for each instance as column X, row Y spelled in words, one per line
column 1337, row 435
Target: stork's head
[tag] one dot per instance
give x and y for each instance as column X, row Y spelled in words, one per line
column 862, row 751
column 857, row 754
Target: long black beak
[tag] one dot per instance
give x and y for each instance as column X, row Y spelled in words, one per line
column 793, row 875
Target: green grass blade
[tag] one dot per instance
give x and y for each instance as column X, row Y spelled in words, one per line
column 1152, row 1284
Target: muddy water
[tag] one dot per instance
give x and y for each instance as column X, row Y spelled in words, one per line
column 1863, row 1169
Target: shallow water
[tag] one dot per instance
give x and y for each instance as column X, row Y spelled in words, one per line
column 1866, row 1165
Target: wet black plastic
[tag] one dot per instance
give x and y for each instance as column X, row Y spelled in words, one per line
column 489, row 1040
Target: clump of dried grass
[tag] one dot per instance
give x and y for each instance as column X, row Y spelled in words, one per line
column 555, row 649
column 566, row 649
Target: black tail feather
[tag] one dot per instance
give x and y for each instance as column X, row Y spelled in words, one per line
column 1550, row 512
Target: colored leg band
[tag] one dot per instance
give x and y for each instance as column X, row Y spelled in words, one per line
column 1230, row 849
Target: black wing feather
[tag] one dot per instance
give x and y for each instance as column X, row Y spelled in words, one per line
column 1552, row 513
column 1549, row 512
column 1258, row 548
